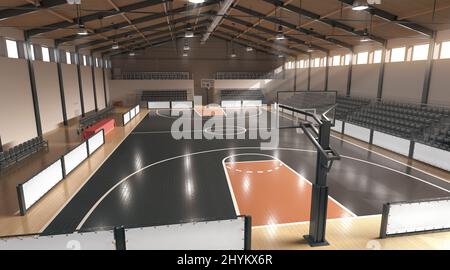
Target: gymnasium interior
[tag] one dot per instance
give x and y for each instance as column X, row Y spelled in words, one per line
column 225, row 124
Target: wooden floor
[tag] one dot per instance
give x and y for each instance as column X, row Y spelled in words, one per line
column 346, row 233
column 360, row 233
column 60, row 141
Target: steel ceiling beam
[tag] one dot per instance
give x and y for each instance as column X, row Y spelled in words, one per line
column 94, row 16
column 244, row 42
column 130, row 42
column 394, row 18
column 255, row 36
column 271, row 32
column 317, row 17
column 144, row 19
column 144, row 29
column 293, row 27
column 28, row 8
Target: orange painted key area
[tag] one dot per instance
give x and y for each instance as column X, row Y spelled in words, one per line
column 209, row 111
column 272, row 193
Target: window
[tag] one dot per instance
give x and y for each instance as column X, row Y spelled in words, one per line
column 68, row 58
column 348, row 59
column 84, row 60
column 362, row 58
column 445, row 50
column 336, row 60
column 420, row 52
column 45, row 54
column 398, row 54
column 317, row 62
column 11, row 48
column 377, row 56
column 32, row 52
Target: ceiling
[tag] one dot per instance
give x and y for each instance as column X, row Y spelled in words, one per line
column 308, row 25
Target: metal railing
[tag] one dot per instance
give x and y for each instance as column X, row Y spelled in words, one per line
column 249, row 75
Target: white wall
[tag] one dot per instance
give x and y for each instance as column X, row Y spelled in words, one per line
column 88, row 91
column 17, row 122
column 128, row 91
column 318, row 79
column 440, row 83
column 337, row 79
column 71, row 90
column 99, row 88
column 49, row 97
column 365, row 80
column 404, row 81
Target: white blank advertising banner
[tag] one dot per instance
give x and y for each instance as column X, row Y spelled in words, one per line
column 357, row 132
column 181, row 104
column 418, row 217
column 159, row 105
column 251, row 103
column 337, row 126
column 212, row 235
column 126, row 118
column 96, row 141
column 132, row 113
column 392, row 143
column 231, row 103
column 75, row 157
column 103, row 240
column 37, row 186
column 137, row 109
column 436, row 157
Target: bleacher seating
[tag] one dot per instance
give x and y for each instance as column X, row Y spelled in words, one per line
column 347, row 105
column 248, row 75
column 95, row 117
column 153, row 76
column 309, row 100
column 21, row 151
column 404, row 120
column 235, row 94
column 438, row 136
column 164, row 95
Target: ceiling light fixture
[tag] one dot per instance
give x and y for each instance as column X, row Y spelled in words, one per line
column 280, row 35
column 115, row 45
column 359, row 5
column 249, row 49
column 82, row 31
column 132, row 53
column 196, row 1
column 185, row 54
column 189, row 33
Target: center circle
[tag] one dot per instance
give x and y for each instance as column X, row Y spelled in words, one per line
column 224, row 130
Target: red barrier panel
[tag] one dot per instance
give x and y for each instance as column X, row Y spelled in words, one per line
column 106, row 124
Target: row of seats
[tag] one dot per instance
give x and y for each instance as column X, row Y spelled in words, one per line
column 21, row 151
column 320, row 102
column 95, row 117
column 245, row 76
column 425, row 124
column 155, row 76
column 438, row 136
column 164, row 95
column 236, row 94
column 347, row 105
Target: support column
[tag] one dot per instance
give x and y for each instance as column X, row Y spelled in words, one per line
column 93, row 83
column 309, row 73
column 429, row 70
column 327, row 70
column 295, row 74
column 37, row 115
column 61, row 85
column 349, row 78
column 80, row 82
column 104, row 87
column 381, row 75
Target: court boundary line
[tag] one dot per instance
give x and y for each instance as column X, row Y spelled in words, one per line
column 382, row 155
column 234, row 148
column 90, row 176
column 301, row 177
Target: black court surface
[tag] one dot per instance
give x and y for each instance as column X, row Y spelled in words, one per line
column 154, row 179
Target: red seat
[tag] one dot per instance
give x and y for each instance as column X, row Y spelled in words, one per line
column 107, row 125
